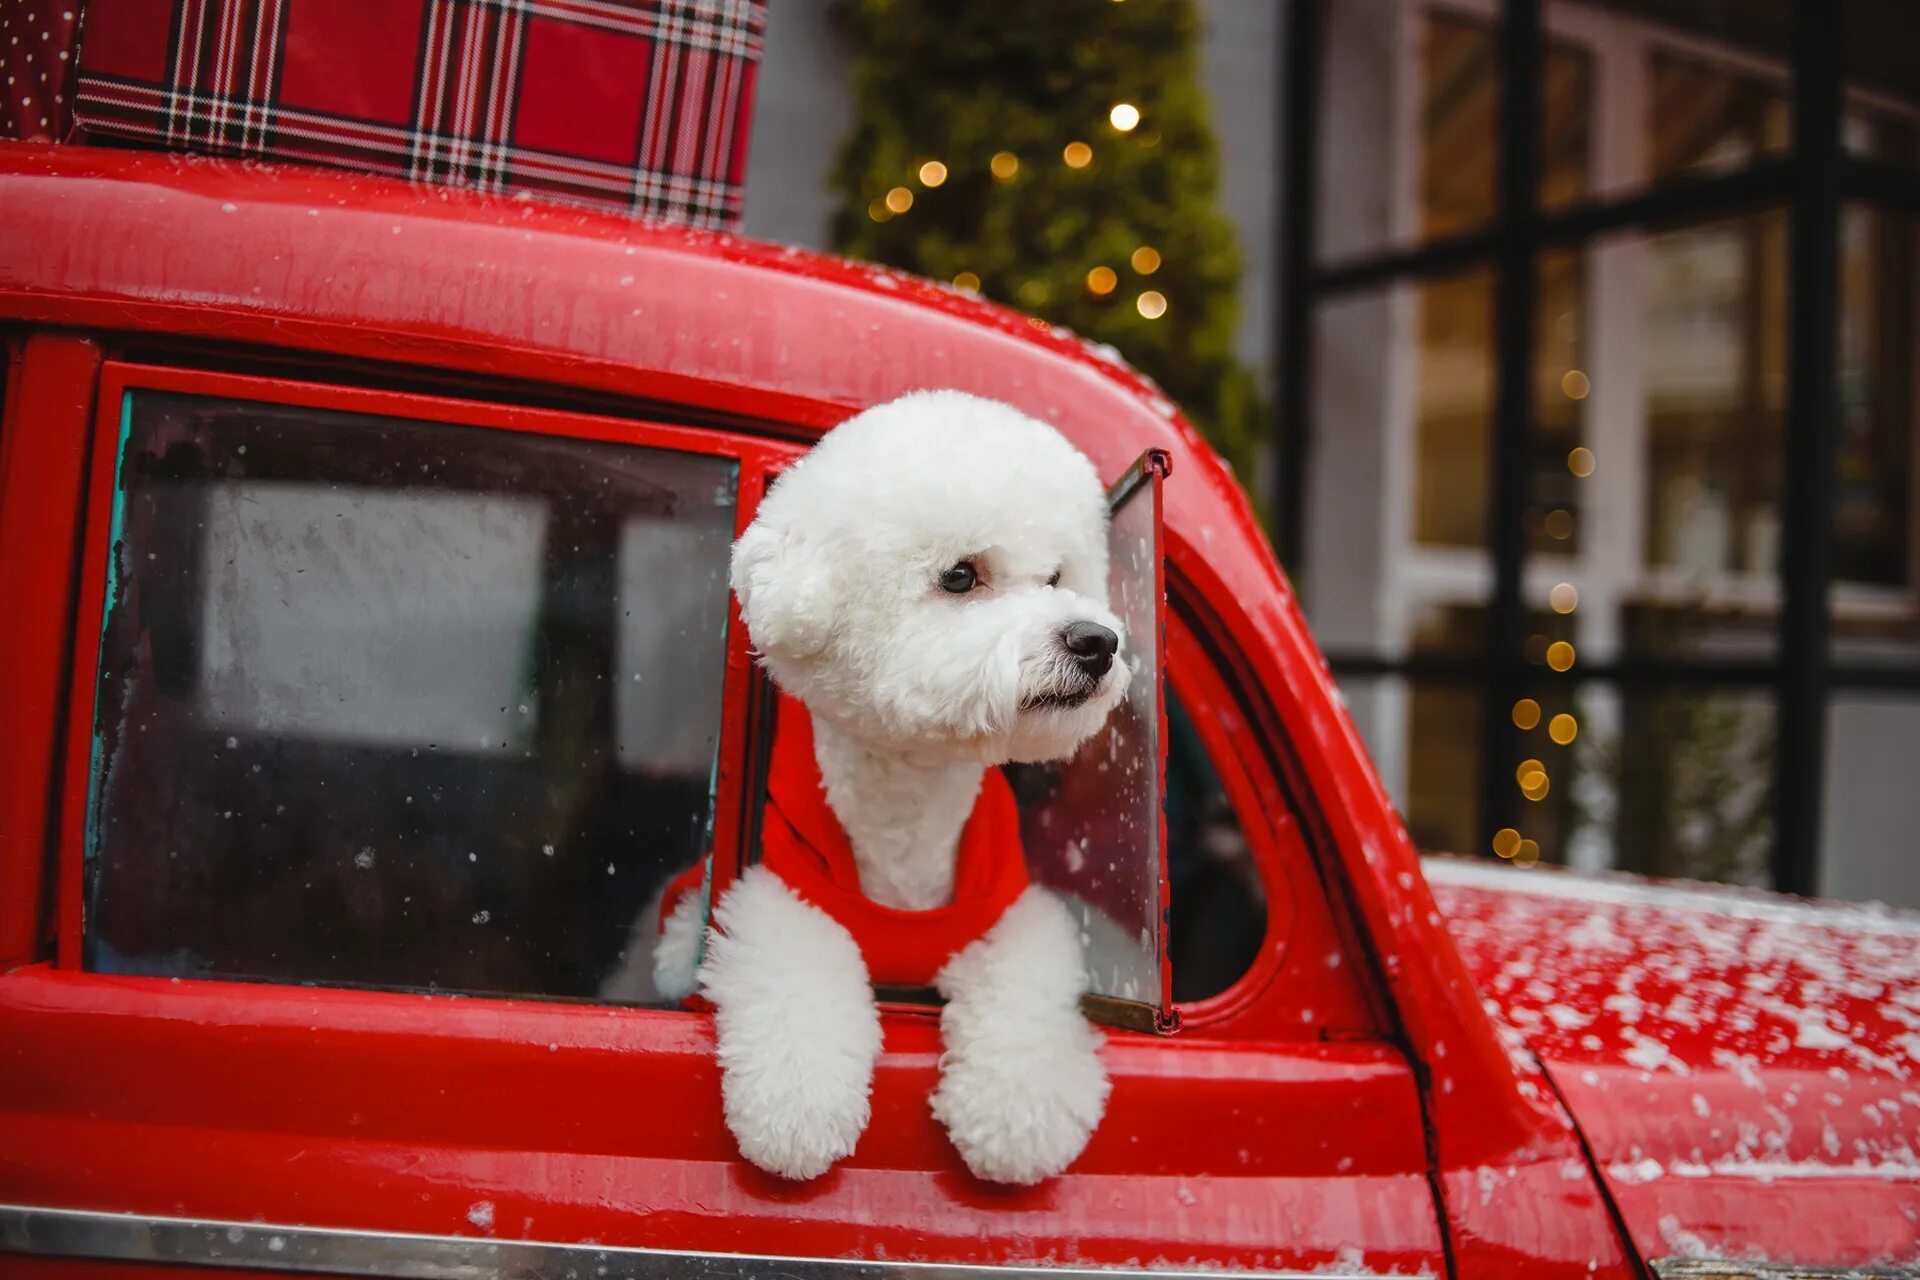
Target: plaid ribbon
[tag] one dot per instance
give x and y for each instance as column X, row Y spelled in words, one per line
column 640, row 105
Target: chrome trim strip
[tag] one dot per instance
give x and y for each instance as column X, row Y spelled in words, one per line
column 126, row 1237
column 1716, row 1269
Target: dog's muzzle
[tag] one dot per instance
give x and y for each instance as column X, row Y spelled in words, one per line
column 1090, row 650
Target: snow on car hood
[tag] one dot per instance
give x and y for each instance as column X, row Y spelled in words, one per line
column 1744, row 1067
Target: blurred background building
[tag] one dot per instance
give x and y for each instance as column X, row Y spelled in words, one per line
column 1568, row 347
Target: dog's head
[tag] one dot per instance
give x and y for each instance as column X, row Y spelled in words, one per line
column 933, row 575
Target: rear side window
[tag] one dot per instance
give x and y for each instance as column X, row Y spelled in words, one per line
column 399, row 704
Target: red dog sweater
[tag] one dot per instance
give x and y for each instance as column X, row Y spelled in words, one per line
column 803, row 843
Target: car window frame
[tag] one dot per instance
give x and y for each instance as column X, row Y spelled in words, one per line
column 757, row 458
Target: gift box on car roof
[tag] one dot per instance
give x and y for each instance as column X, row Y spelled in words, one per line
column 634, row 106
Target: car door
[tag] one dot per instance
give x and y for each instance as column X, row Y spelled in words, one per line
column 387, row 716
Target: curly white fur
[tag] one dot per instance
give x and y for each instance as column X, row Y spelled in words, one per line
column 914, row 691
column 676, row 956
column 1021, row 1083
column 797, row 1027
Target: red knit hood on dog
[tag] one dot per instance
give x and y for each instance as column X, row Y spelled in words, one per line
column 802, row 841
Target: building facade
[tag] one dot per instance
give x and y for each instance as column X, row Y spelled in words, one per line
column 1603, row 580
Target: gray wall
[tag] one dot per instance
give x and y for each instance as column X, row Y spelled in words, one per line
column 801, row 111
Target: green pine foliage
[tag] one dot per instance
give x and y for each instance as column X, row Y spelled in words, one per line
column 961, row 81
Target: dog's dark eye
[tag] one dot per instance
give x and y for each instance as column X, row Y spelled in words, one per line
column 1054, row 581
column 960, row 579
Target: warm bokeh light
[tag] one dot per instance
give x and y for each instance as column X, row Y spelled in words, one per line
column 1146, row 260
column 933, row 173
column 1152, row 304
column 1559, row 524
column 1078, row 155
column 878, row 211
column 1580, row 462
column 1527, row 854
column 968, row 281
column 1575, row 384
column 1506, row 841
column 899, row 199
column 1004, row 165
column 1565, row 597
column 1560, row 655
column 1562, row 728
column 1532, row 776
column 1124, row 116
column 1101, row 280
column 1526, row 713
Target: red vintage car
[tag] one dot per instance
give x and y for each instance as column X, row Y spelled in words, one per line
column 368, row 662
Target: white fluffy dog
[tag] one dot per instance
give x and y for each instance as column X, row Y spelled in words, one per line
column 930, row 582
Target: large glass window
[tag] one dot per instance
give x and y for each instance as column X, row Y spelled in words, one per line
column 398, row 704
column 1560, row 624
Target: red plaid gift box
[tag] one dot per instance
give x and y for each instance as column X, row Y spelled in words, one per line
column 642, row 106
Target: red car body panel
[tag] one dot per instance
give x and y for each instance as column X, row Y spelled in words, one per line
column 1348, row 1103
column 1740, row 1065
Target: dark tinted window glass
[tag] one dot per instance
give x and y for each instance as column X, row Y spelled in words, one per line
column 399, row 704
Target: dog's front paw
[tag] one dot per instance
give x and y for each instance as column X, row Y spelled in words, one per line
column 1021, row 1109
column 1021, row 1083
column 797, row 1127
column 797, row 1027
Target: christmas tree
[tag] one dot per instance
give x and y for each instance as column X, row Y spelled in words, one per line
column 1058, row 158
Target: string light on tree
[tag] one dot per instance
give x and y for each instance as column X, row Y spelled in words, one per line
column 968, row 281
column 1047, row 145
column 899, row 199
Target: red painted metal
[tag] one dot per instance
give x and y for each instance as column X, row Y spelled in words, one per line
column 1350, row 1100
column 43, row 446
column 1742, row 1066
column 403, row 1112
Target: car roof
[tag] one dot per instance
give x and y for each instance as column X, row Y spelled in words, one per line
column 379, row 269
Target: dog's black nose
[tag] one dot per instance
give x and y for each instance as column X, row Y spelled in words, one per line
column 1091, row 645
